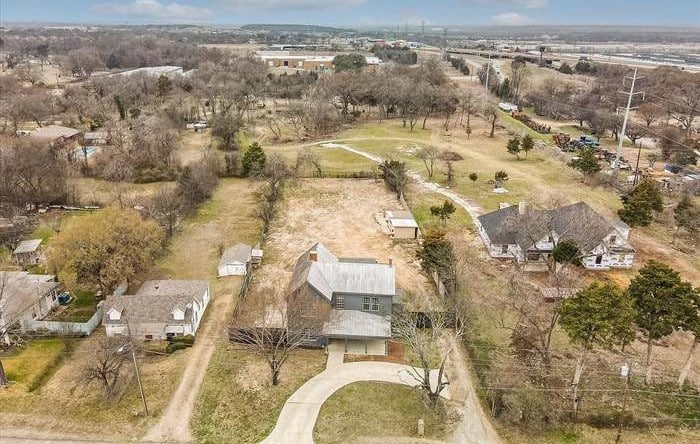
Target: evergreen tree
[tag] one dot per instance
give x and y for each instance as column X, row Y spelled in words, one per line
column 253, row 160
column 639, row 205
column 527, row 144
column 513, row 147
column 659, row 298
column 587, row 162
column 444, row 211
column 598, row 315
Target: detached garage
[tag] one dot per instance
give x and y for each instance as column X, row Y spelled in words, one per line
column 235, row 260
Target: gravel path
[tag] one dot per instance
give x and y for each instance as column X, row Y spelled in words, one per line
column 472, row 209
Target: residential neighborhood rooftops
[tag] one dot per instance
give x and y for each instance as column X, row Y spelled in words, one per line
column 53, row 132
column 27, row 246
column 357, row 324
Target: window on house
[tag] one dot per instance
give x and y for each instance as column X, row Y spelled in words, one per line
column 365, row 303
column 599, row 259
column 504, row 249
column 340, row 302
column 149, row 337
column 613, row 239
column 551, row 239
column 375, row 304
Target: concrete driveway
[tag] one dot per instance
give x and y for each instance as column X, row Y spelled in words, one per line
column 296, row 422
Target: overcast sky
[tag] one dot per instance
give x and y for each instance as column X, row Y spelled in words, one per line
column 358, row 12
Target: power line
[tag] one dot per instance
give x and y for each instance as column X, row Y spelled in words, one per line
column 630, row 94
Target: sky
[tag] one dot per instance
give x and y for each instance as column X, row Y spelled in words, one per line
column 358, row 13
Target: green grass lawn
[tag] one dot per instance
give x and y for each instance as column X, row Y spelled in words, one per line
column 30, row 366
column 420, row 203
column 80, row 309
column 333, row 160
column 237, row 403
column 375, row 409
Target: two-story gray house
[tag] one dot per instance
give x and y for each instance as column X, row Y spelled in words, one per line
column 341, row 298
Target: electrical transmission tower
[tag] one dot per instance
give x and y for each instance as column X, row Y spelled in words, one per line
column 629, row 94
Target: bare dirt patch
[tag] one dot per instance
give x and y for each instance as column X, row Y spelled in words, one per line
column 342, row 215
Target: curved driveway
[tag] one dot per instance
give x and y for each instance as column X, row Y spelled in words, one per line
column 296, row 422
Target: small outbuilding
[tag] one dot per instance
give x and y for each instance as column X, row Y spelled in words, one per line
column 236, row 260
column 27, row 253
column 402, row 225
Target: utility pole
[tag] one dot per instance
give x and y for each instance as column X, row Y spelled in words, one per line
column 625, row 372
column 486, row 84
column 444, row 43
column 630, row 94
column 136, row 367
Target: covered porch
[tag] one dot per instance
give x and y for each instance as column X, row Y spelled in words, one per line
column 358, row 333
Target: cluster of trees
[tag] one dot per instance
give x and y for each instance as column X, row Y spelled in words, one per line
column 517, row 145
column 104, row 249
column 459, row 64
column 671, row 105
column 30, row 173
column 402, row 56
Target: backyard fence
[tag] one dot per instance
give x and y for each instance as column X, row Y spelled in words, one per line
column 59, row 328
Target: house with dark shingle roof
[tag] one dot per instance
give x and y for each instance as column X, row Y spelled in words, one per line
column 530, row 235
column 345, row 298
column 159, row 310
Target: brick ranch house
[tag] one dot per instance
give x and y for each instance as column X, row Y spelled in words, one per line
column 530, row 235
column 341, row 298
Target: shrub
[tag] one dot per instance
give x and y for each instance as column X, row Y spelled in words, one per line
column 175, row 346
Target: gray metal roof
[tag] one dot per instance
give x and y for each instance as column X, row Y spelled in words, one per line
column 238, row 254
column 359, row 278
column 27, row 246
column 401, row 219
column 356, row 324
column 328, row 275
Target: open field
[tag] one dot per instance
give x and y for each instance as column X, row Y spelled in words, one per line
column 375, row 412
column 542, row 176
column 342, row 214
column 90, row 191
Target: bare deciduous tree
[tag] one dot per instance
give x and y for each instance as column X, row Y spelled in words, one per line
column 429, row 155
column 422, row 335
column 271, row 327
column 106, row 366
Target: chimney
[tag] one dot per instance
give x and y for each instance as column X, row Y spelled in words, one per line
column 391, row 261
column 313, row 256
column 522, row 208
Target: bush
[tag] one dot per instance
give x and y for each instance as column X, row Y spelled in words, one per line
column 175, row 346
column 189, row 339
